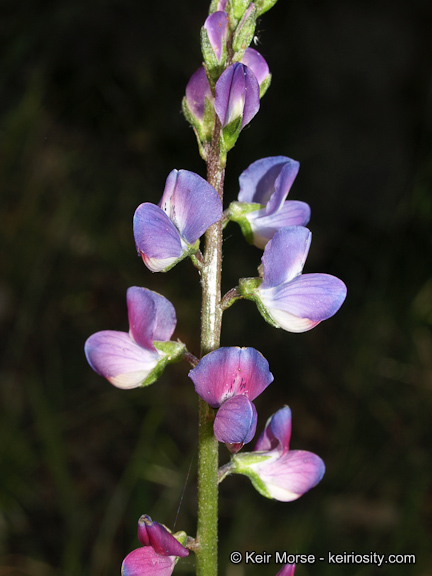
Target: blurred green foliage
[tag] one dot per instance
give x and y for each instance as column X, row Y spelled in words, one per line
column 91, row 126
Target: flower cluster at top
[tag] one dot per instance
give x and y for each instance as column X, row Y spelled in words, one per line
column 222, row 97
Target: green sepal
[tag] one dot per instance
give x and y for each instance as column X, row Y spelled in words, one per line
column 247, row 288
column 213, row 66
column 181, row 537
column 244, row 33
column 237, row 213
column 231, row 132
column 214, row 6
column 264, row 5
column 265, row 85
column 173, row 352
column 241, row 465
column 239, row 7
column 203, row 129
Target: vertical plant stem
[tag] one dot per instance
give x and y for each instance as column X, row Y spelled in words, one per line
column 211, row 320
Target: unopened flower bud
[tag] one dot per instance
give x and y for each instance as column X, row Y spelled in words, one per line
column 253, row 60
column 236, row 101
column 214, row 35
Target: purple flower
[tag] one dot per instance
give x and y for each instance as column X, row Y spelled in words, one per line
column 137, row 358
column 287, row 298
column 169, row 232
column 229, row 379
column 275, row 470
column 253, row 60
column 236, row 100
column 261, row 209
column 159, row 553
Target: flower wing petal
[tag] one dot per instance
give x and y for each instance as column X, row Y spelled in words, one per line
column 285, row 255
column 301, row 304
column 257, row 182
column 156, row 237
column 236, row 421
column 192, row 204
column 119, row 359
column 289, row 477
column 142, row 316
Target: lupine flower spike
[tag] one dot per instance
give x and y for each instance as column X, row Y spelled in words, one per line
column 275, row 470
column 287, row 298
column 229, row 379
column 137, row 358
column 261, row 209
column 169, row 232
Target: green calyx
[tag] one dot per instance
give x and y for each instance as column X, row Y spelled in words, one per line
column 248, row 288
column 241, row 464
column 265, row 85
column 172, row 352
column 239, row 7
column 192, row 249
column 244, row 32
column 264, row 5
column 203, row 128
column 230, row 133
column 237, row 212
column 213, row 66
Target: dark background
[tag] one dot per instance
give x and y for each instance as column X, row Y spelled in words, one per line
column 90, row 95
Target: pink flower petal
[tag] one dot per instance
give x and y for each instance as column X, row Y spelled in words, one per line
column 146, row 562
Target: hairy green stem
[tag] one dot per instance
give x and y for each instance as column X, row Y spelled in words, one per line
column 211, row 321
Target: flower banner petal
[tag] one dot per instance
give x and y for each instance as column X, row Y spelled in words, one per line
column 226, row 372
column 257, row 182
column 285, row 255
column 191, row 203
column 156, row 237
